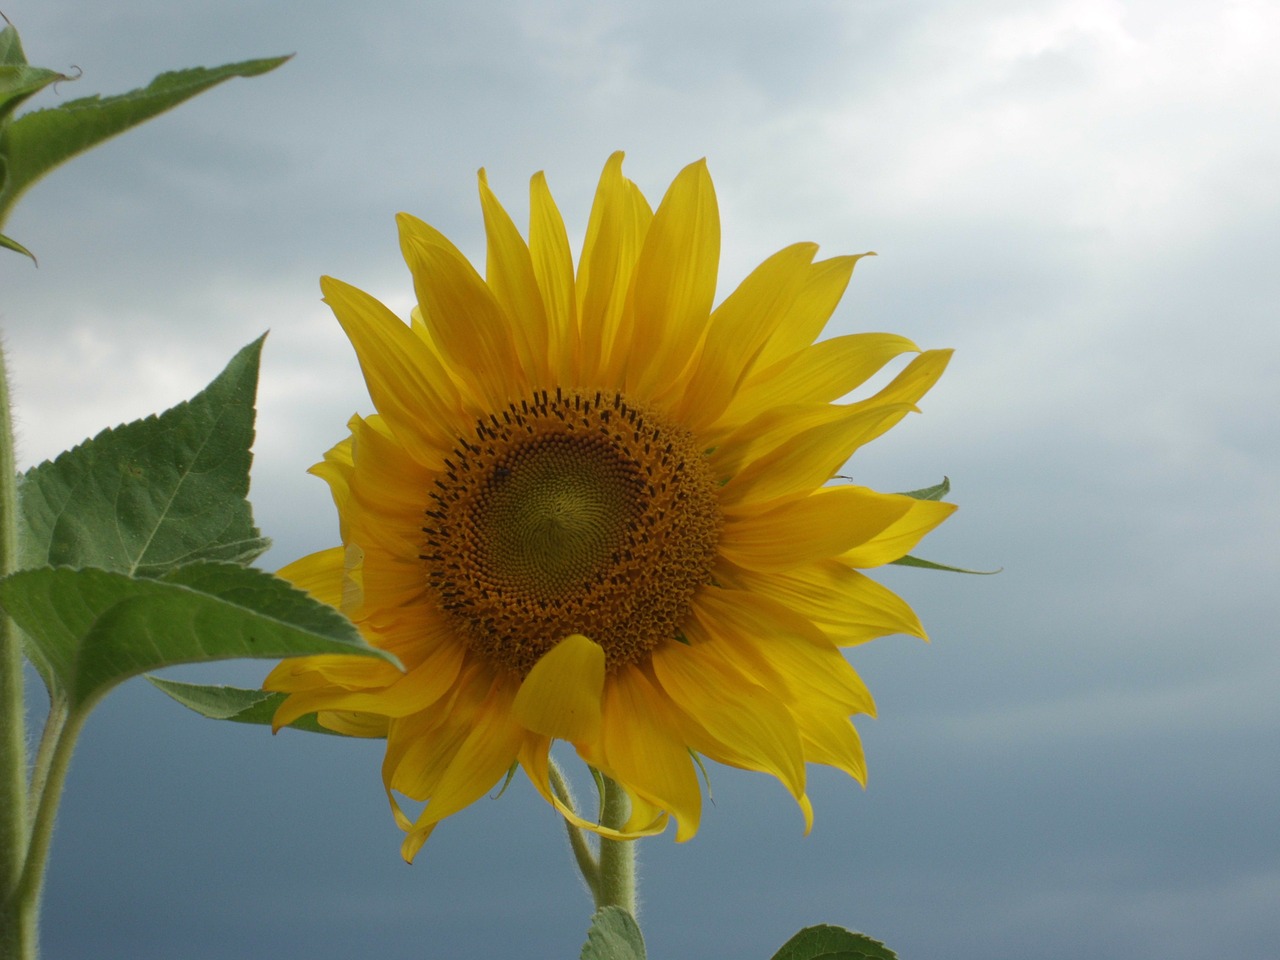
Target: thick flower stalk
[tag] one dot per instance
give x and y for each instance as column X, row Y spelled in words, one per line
column 593, row 507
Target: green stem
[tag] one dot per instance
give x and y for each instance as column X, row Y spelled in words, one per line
column 582, row 853
column 13, row 737
column 611, row 874
column 44, row 754
column 31, row 882
column 617, row 857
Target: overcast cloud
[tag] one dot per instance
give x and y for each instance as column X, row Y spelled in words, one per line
column 1081, row 196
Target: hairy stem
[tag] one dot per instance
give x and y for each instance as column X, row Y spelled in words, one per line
column 14, row 828
column 617, row 857
column 587, row 863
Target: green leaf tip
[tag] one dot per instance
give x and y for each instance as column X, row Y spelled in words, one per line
column 236, row 704
column 11, row 244
column 148, row 496
column 910, row 561
column 936, row 492
column 825, row 942
column 614, row 935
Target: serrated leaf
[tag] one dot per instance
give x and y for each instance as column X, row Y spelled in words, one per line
column 148, row 496
column 614, row 935
column 18, row 81
column 825, row 942
column 234, row 703
column 89, row 629
column 936, row 492
column 36, row 142
column 910, row 561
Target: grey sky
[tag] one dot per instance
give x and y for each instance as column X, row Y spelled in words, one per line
column 1082, row 197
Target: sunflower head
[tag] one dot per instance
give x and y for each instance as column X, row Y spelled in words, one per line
column 594, row 507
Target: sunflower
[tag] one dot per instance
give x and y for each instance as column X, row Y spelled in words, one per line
column 594, row 508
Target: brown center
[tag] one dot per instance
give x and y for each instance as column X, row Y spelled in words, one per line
column 571, row 513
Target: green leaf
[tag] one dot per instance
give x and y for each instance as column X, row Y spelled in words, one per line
column 936, row 492
column 13, row 245
column 910, row 561
column 89, row 629
column 614, row 935
column 826, row 942
column 145, row 497
column 18, row 79
column 234, row 703
column 36, row 142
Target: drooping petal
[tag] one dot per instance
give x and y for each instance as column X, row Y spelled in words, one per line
column 784, row 652
column 535, row 761
column 642, row 748
column 560, row 698
column 727, row 716
column 406, row 694
column 452, row 753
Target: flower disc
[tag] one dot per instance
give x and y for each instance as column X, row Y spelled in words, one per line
column 571, row 514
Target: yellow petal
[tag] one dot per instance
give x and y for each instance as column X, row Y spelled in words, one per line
column 408, row 693
column 509, row 273
column 812, row 309
column 822, row 373
column 850, row 606
column 783, row 651
column 615, row 231
column 916, row 379
column 739, row 328
column 824, row 524
column 560, row 698
column 830, row 738
column 452, row 754
column 675, row 282
column 465, row 320
column 644, row 752
column 553, row 269
column 897, row 539
column 727, row 716
column 488, row 752
column 385, row 488
column 319, row 574
column 765, row 433
column 535, row 761
column 404, row 379
column 811, row 457
column 367, row 725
